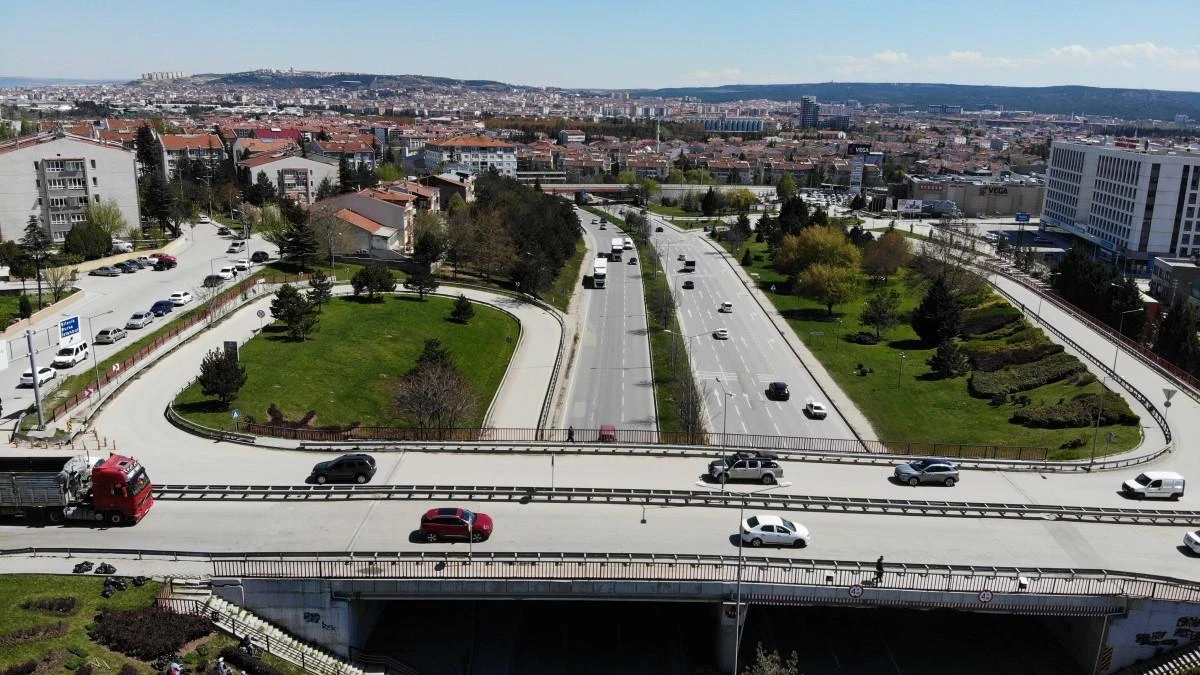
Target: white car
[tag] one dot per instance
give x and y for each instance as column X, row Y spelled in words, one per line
column 146, row 261
column 721, row 334
column 1192, row 541
column 772, row 530
column 726, row 308
column 45, row 374
column 205, row 219
column 179, row 298
column 227, row 273
column 140, row 320
column 241, row 264
column 815, row 410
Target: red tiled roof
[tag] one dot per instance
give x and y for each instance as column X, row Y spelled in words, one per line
column 359, row 221
column 470, row 142
column 190, row 142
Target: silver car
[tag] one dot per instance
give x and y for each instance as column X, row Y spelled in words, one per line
column 928, row 470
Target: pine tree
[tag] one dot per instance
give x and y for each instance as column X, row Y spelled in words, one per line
column 747, row 258
column 221, row 375
column 463, row 310
column 422, row 281
column 1176, row 338
column 297, row 313
column 325, row 189
column 320, row 289
column 374, row 280
column 939, row 316
column 347, row 176
column 299, row 245
column 950, row 360
column 36, row 243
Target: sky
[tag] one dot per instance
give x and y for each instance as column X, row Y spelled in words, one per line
column 621, row 44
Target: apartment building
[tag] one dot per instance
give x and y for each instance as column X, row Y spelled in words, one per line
column 292, row 175
column 358, row 152
column 54, row 176
column 474, row 154
column 374, row 209
column 1131, row 200
column 206, row 148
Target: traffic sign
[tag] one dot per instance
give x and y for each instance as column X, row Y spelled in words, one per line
column 261, row 313
column 68, row 328
column 856, row 591
column 986, row 596
column 1021, row 217
column 235, row 413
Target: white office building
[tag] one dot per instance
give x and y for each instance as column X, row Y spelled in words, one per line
column 1130, row 199
column 56, row 175
column 475, row 154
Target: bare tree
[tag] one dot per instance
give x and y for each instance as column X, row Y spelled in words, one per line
column 436, row 395
column 461, row 235
column 59, row 280
column 494, row 249
column 689, row 396
column 951, row 253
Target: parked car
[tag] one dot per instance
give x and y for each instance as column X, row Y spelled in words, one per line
column 352, row 468
column 106, row 271
column 682, row 257
column 205, row 219
column 145, row 261
column 120, row 246
column 179, row 298
column 815, row 410
column 1162, row 484
column 658, row 229
column 162, row 308
column 108, row 336
column 164, row 256
column 236, row 247
column 772, row 530
column 212, row 281
column 140, row 320
column 260, row 257
column 71, row 354
column 222, row 230
column 778, row 391
column 752, row 466
column 455, row 523
column 1192, row 541
column 127, row 267
column 241, row 264
column 721, row 334
column 45, row 374
column 632, row 260
column 929, row 470
column 689, row 284
column 227, row 273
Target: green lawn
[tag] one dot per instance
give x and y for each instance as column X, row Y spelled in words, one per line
column 10, row 304
column 910, row 405
column 673, row 211
column 345, row 370
column 16, row 588
column 567, row 280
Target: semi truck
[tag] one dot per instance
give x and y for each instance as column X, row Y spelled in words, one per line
column 599, row 272
column 113, row 489
column 627, row 243
column 618, row 245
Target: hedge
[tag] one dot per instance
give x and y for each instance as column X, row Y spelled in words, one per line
column 988, row 318
column 989, row 358
column 64, row 605
column 1078, row 412
column 26, row 668
column 31, row 633
column 149, row 632
column 1024, row 377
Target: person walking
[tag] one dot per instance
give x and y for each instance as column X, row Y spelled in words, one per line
column 571, row 434
column 879, row 570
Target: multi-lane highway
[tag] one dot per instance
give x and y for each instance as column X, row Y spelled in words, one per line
column 611, row 381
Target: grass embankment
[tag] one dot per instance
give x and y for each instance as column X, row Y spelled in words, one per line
column 346, row 369
column 559, row 295
column 10, row 305
column 74, row 642
column 899, row 396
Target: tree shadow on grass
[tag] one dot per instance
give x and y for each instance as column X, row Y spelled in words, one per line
column 807, row 314
column 907, row 344
column 364, row 300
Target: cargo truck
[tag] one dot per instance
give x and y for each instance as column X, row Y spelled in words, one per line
column 599, row 272
column 618, row 246
column 113, row 489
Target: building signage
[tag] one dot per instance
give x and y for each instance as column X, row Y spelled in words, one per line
column 853, row 149
column 1021, row 217
column 993, row 190
column 910, row 205
column 930, row 187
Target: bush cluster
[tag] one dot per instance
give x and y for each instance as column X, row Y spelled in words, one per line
column 863, row 338
column 31, row 633
column 1024, row 377
column 989, row 358
column 249, row 664
column 63, row 606
column 1080, row 411
column 149, row 632
column 26, row 668
column 988, row 318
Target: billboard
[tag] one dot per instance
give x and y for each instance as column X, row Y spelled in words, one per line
column 909, row 205
column 853, row 149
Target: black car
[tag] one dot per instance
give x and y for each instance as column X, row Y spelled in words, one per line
column 658, row 229
column 689, row 285
column 632, row 261
column 163, row 307
column 213, row 280
column 778, row 391
column 357, row 468
column 259, row 257
column 162, row 265
column 222, row 231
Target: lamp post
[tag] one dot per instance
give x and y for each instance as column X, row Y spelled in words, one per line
column 675, row 344
column 737, row 626
column 1099, row 414
column 95, row 363
column 724, row 414
column 900, row 372
column 1121, row 336
column 838, row 340
column 211, row 269
column 1041, row 295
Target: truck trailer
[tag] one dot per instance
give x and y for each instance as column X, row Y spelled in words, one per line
column 599, row 272
column 113, row 489
column 617, row 247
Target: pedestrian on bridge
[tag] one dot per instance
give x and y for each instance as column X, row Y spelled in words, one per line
column 571, row 434
column 879, row 570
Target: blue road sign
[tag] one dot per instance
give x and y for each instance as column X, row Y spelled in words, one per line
column 1022, row 217
column 68, row 327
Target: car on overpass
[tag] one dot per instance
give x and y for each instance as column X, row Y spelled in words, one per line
column 351, row 468
column 751, row 465
column 771, row 530
column 455, row 523
column 928, row 470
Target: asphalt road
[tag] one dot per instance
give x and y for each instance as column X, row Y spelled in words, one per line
column 111, row 300
column 612, row 382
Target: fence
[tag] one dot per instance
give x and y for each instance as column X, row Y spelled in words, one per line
column 647, row 437
column 207, row 312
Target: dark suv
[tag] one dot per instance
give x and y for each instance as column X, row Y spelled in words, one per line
column 357, row 468
column 778, row 391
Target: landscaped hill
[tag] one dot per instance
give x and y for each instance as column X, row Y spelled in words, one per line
column 305, row 80
column 1095, row 101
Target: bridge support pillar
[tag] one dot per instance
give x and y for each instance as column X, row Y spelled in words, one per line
column 729, row 624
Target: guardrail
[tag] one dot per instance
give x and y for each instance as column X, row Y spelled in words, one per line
column 662, row 567
column 242, row 494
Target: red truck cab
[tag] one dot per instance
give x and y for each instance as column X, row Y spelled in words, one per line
column 121, row 490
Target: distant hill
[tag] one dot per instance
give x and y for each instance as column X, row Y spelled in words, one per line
column 291, row 80
column 49, row 81
column 1095, row 101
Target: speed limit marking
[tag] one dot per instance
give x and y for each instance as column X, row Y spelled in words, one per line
column 986, row 596
column 856, row 591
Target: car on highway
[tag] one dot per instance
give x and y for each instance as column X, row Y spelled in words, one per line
column 45, row 374
column 771, row 530
column 778, row 391
column 140, row 320
column 105, row 271
column 759, row 467
column 928, row 470
column 632, row 260
column 236, row 247
column 726, row 308
column 179, row 298
column 658, row 229
column 815, row 410
column 1162, row 484
column 227, row 273
column 721, row 334
column 108, row 336
column 689, row 284
column 212, row 281
column 352, row 468
column 223, row 230
column 1192, row 541
column 70, row 355
column 162, row 308
column 204, row 220
column 260, row 257
column 455, row 523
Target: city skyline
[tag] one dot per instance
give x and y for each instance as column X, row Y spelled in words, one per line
column 622, row 44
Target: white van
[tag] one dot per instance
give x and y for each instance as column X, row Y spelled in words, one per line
column 1154, row 484
column 70, row 355
column 726, row 308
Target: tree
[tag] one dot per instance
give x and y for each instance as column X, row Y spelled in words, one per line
column 297, row 313
column 885, row 255
column 436, row 395
column 747, row 258
column 828, row 284
column 222, row 376
column 37, row 247
column 463, row 310
column 24, row 306
column 429, row 246
column 460, row 237
column 709, row 204
column 422, row 281
column 373, row 280
column 59, row 280
column 785, row 189
column 740, row 200
column 262, row 191
column 299, row 245
column 388, row 173
column 1176, row 338
column 939, row 316
column 433, row 353
column 813, row 245
column 145, row 150
column 156, row 200
column 857, row 202
column 320, row 289
column 88, row 241
column 106, row 215
column 770, row 663
column 365, row 177
column 325, row 189
column 950, row 359
column 347, row 176
column 882, row 311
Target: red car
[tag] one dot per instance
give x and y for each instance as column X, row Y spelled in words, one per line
column 454, row 523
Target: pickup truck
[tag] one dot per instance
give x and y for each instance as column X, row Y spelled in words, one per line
column 760, row 467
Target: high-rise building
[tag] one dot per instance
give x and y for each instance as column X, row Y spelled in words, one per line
column 809, row 112
column 1131, row 200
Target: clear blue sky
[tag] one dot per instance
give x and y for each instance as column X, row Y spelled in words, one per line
column 621, row 43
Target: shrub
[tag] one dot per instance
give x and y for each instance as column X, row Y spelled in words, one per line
column 1077, row 413
column 149, row 632
column 987, row 318
column 250, row 664
column 1023, row 377
column 863, row 338
column 24, row 306
column 31, row 633
column 1076, row 442
column 26, row 668
column 993, row 357
column 128, row 670
column 63, row 606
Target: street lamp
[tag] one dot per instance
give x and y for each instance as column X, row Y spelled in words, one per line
column 900, row 372
column 675, row 344
column 724, row 413
column 1099, row 414
column 737, row 626
column 95, row 363
column 1121, row 336
column 211, row 270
